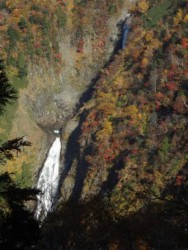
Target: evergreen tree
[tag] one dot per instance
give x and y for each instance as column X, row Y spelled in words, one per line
column 7, row 92
column 18, row 228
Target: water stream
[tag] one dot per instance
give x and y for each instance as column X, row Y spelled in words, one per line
column 48, row 181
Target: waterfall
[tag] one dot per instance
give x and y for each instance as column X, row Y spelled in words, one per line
column 48, row 180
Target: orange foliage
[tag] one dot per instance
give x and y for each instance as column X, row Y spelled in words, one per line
column 184, row 43
column 179, row 105
column 143, row 6
column 144, row 63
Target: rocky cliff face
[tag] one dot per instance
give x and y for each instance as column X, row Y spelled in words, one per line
column 55, row 95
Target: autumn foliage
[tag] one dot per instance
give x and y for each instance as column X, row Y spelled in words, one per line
column 141, row 110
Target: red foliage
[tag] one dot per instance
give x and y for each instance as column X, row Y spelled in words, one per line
column 134, row 151
column 159, row 95
column 180, row 179
column 58, row 57
column 80, row 47
column 179, row 105
column 146, row 84
column 157, row 105
column 119, row 185
column 37, row 45
column 171, row 74
column 92, row 115
column 184, row 43
column 109, row 155
column 171, row 86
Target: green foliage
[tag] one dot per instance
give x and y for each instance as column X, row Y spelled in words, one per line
column 61, row 18
column 46, row 25
column 18, row 229
column 10, row 147
column 22, row 66
column 3, row 5
column 24, row 178
column 112, row 8
column 164, row 150
column 11, row 60
column 35, row 7
column 157, row 12
column 14, row 36
column 10, row 110
column 22, row 23
column 7, row 91
column 35, row 20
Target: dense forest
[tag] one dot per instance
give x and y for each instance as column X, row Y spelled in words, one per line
column 130, row 157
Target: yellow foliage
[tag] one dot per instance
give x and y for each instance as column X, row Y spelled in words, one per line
column 16, row 12
column 149, row 36
column 143, row 6
column 11, row 71
column 159, row 178
column 185, row 18
column 14, row 166
column 139, row 35
column 133, row 112
column 11, row 4
column 155, row 43
column 3, row 28
column 149, row 52
column 132, row 109
column 119, row 81
column 142, row 245
column 2, row 130
column 108, row 127
column 101, row 135
column 140, row 116
column 107, row 108
column 136, row 54
column 139, row 119
column 107, row 96
column 179, row 16
column 105, row 132
column 140, row 76
column 144, row 63
column 14, row 19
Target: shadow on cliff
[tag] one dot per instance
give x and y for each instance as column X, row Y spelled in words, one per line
column 73, row 148
column 73, row 154
column 113, row 179
column 86, row 96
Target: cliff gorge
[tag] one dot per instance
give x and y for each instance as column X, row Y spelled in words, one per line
column 123, row 114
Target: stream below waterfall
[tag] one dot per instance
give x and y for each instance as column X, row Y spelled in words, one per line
column 48, row 181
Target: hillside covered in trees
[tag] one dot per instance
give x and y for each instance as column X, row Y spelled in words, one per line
column 125, row 185
column 131, row 165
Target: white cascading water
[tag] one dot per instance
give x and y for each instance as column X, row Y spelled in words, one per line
column 48, row 180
